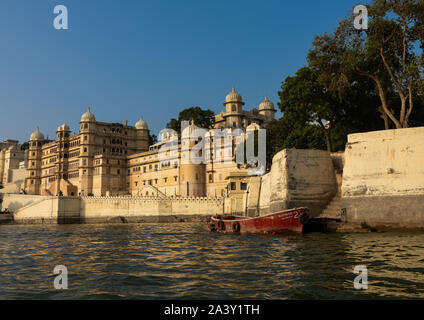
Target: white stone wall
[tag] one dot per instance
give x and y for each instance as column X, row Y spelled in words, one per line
column 44, row 209
column 389, row 162
column 298, row 178
column 383, row 178
column 16, row 201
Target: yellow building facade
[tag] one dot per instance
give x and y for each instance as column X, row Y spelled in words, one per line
column 109, row 159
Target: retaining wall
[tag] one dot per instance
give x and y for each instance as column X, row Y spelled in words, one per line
column 383, row 178
column 42, row 209
column 298, row 178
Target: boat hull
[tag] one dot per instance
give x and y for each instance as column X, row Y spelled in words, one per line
column 287, row 221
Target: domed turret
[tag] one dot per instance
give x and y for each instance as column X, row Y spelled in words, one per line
column 233, row 110
column 266, row 108
column 141, row 124
column 88, row 116
column 63, row 127
column 266, row 105
column 37, row 135
column 233, row 97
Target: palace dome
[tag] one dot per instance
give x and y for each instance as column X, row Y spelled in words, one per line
column 36, row 135
column 266, row 104
column 141, row 124
column 63, row 127
column 233, row 96
column 88, row 116
column 253, row 126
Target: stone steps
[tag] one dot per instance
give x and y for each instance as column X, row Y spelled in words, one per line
column 333, row 209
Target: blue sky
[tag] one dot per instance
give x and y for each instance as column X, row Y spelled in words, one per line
column 133, row 58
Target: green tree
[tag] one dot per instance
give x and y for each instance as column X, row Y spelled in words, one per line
column 304, row 100
column 308, row 105
column 202, row 118
column 152, row 139
column 389, row 53
column 25, row 145
column 283, row 134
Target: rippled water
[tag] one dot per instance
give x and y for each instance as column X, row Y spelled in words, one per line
column 186, row 261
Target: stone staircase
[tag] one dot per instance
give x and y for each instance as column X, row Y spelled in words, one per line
column 333, row 210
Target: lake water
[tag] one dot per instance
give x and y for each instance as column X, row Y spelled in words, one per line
column 186, row 261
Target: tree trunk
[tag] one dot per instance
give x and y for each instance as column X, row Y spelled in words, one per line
column 385, row 119
column 328, row 139
column 326, row 133
column 382, row 95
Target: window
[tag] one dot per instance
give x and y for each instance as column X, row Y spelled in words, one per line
column 233, row 107
column 233, row 186
column 243, row 186
column 119, row 171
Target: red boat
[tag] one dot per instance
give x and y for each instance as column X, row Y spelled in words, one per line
column 285, row 221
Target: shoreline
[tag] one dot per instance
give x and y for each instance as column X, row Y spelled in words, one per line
column 324, row 227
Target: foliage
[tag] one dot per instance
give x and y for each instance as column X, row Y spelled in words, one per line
column 309, row 106
column 25, row 145
column 389, row 54
column 202, row 118
column 152, row 139
column 303, row 101
column 283, row 134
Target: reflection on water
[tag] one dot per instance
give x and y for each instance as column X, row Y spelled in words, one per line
column 186, row 261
